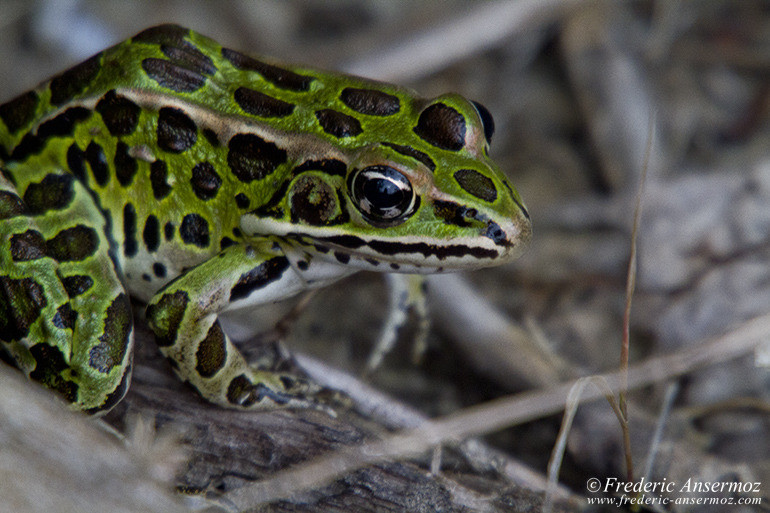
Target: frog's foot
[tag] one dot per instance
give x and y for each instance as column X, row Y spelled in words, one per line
column 258, row 388
column 270, row 356
column 273, row 358
column 255, row 386
column 407, row 300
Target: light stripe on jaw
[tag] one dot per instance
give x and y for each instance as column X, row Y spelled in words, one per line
column 393, row 248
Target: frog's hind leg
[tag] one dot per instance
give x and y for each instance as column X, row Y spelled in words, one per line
column 183, row 316
column 64, row 315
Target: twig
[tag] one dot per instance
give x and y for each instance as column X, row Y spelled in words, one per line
column 466, row 34
column 668, row 403
column 492, row 416
column 630, row 287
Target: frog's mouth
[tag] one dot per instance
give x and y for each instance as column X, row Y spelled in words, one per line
column 493, row 243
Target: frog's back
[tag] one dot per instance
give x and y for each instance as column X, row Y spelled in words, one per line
column 170, row 62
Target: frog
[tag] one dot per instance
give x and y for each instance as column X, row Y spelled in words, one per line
column 199, row 180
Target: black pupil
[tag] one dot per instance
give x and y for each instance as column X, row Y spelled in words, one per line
column 383, row 193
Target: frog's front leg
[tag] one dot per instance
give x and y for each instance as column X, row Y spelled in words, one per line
column 183, row 316
column 407, row 294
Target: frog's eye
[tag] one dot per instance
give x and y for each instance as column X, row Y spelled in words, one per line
column 382, row 194
column 486, row 121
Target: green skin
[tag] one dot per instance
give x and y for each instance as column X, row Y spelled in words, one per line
column 200, row 180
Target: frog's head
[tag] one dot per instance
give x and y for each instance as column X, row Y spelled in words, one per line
column 424, row 197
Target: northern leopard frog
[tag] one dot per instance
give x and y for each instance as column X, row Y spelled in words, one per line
column 200, row 180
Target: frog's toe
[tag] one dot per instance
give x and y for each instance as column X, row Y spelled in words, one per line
column 334, row 398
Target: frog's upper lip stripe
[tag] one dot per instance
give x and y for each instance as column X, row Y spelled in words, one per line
column 393, row 248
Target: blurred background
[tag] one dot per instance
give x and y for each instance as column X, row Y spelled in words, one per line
column 578, row 90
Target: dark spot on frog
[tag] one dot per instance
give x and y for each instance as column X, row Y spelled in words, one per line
column 119, row 114
column 242, row 200
column 195, row 230
column 73, row 244
column 442, row 126
column 159, row 270
column 159, row 179
column 98, row 163
column 76, row 161
column 21, row 302
column 130, row 245
column 168, row 230
column 151, row 233
column 77, row 284
column 211, row 354
column 338, row 124
column 476, row 184
column 370, row 101
column 125, row 164
column 19, row 112
column 252, row 158
column 279, row 77
column 259, row 104
column 176, row 131
column 115, row 341
column 26, row 246
column 49, row 364
column 205, row 181
column 72, row 82
column 258, row 277
column 313, row 201
column 173, row 76
column 165, row 316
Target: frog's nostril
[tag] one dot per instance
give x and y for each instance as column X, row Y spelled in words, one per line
column 497, row 234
